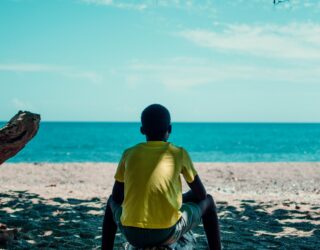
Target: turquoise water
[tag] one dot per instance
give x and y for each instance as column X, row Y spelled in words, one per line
column 206, row 142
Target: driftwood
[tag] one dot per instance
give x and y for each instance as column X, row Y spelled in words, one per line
column 7, row 234
column 13, row 137
column 17, row 133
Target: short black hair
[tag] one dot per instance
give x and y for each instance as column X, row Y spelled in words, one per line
column 155, row 120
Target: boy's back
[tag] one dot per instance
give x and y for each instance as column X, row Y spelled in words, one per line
column 146, row 201
column 153, row 192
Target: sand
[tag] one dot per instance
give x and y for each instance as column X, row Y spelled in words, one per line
column 260, row 205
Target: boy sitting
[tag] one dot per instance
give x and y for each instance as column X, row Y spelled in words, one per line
column 147, row 202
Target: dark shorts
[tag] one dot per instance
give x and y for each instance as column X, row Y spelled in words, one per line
column 142, row 237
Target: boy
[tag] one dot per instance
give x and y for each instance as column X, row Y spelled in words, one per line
column 147, row 202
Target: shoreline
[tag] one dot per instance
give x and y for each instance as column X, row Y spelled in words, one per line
column 225, row 181
column 198, row 163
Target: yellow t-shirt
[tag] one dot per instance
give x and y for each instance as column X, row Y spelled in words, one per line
column 152, row 185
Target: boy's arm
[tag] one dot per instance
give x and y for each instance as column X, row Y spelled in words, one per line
column 197, row 192
column 118, row 186
column 118, row 192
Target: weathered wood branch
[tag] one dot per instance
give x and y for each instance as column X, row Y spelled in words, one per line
column 17, row 133
column 7, row 234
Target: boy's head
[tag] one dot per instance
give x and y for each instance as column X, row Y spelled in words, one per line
column 156, row 122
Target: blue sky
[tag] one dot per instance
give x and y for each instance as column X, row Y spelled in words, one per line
column 105, row 60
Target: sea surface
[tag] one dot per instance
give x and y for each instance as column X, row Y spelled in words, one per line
column 206, row 142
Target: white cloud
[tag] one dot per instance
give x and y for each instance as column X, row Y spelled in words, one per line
column 30, row 67
column 67, row 71
column 21, row 104
column 207, row 6
column 280, row 4
column 299, row 4
column 179, row 73
column 103, row 2
column 87, row 75
column 117, row 4
column 292, row 41
column 147, row 4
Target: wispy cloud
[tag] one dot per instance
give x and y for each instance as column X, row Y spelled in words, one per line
column 181, row 73
column 67, row 71
column 208, row 6
column 292, row 41
column 299, row 4
column 118, row 4
column 148, row 4
column 30, row 67
column 21, row 104
column 294, row 5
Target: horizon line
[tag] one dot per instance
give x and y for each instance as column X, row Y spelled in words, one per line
column 217, row 122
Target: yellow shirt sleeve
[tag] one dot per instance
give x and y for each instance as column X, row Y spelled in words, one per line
column 119, row 176
column 188, row 171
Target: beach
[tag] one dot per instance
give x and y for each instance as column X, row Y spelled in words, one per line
column 260, row 205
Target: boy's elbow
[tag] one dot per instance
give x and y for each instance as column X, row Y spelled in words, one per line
column 203, row 196
column 118, row 192
column 118, row 198
column 198, row 189
column 199, row 196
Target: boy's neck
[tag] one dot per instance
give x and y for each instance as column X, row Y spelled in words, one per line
column 156, row 139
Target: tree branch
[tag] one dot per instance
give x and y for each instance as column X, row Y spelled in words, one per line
column 17, row 133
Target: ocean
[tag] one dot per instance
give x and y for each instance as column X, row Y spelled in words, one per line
column 206, row 142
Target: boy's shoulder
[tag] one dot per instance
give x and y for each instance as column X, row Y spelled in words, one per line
column 172, row 147
column 176, row 148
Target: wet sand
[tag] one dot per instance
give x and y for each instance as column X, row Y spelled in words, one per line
column 261, row 205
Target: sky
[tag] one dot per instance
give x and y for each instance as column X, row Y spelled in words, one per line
column 206, row 61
